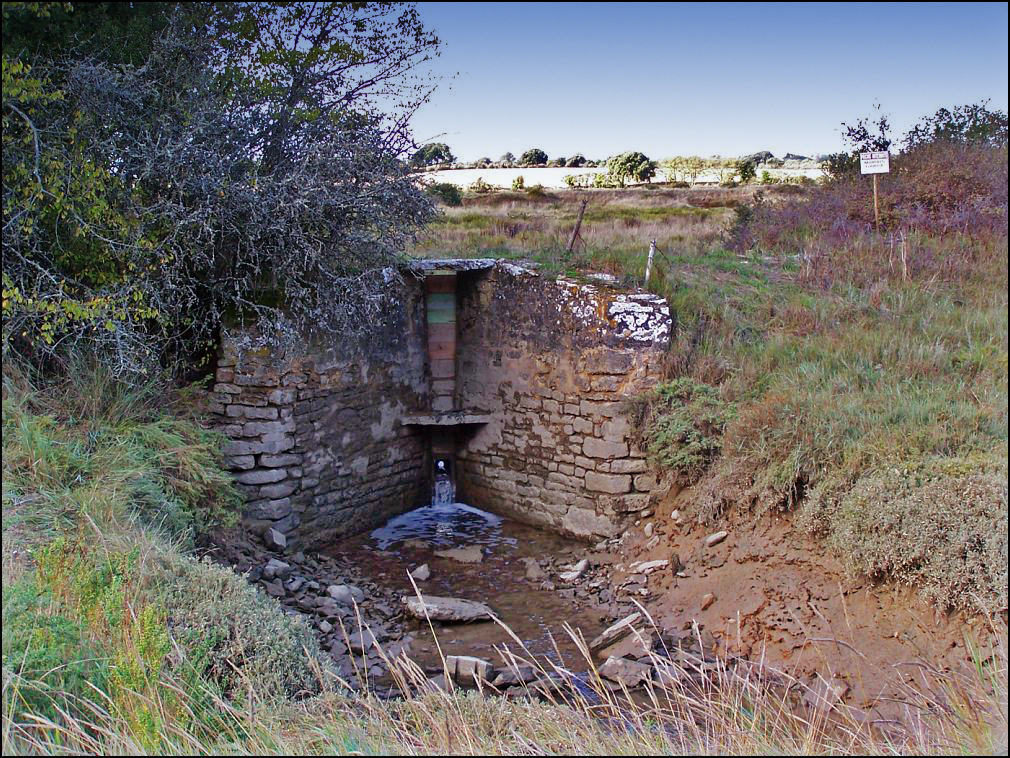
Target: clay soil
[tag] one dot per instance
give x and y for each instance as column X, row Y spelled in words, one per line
column 773, row 595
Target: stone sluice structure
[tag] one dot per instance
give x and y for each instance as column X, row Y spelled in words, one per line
column 513, row 380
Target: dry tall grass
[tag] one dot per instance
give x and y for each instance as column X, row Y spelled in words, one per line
column 695, row 705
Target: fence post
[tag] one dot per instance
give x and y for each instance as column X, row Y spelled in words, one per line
column 648, row 263
column 578, row 225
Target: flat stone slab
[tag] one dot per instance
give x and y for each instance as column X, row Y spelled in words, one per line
column 430, row 265
column 470, row 554
column 615, row 632
column 450, row 609
column 623, row 671
column 446, row 418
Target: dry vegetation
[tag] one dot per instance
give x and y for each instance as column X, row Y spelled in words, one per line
column 856, row 377
column 860, row 381
column 117, row 640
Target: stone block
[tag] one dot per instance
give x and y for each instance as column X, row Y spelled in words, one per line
column 254, row 428
column 276, row 461
column 270, row 510
column 279, row 490
column 261, row 476
column 645, row 482
column 612, row 484
column 281, row 397
column 600, row 409
column 597, row 448
column 582, row 522
column 275, row 443
column 605, row 384
column 631, row 503
column 628, row 466
column 606, row 361
column 242, row 462
column 251, row 412
column 616, row 430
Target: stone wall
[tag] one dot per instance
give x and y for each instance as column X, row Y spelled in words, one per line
column 552, row 362
column 316, row 440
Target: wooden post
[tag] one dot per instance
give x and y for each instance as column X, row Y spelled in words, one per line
column 578, row 225
column 876, row 206
column 648, row 263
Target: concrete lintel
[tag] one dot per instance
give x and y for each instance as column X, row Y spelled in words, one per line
column 447, row 418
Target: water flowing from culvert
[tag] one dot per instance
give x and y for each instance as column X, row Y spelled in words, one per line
column 444, row 491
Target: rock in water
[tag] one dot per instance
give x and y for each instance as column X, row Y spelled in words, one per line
column 421, row 573
column 450, row 609
column 471, row 554
column 628, row 673
column 465, row 669
column 515, row 674
column 615, row 632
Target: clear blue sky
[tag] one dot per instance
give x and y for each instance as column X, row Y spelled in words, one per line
column 700, row 79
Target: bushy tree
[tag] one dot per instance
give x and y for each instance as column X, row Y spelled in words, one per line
column 868, row 134
column 632, row 165
column 447, row 192
column 250, row 168
column 533, row 157
column 507, row 158
column 432, row 154
column 963, row 124
column 576, row 161
column 746, row 170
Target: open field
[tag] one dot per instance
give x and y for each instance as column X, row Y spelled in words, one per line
column 617, row 227
column 554, row 178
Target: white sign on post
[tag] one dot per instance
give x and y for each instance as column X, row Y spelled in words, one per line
column 875, row 163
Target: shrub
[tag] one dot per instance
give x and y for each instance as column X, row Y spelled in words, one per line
column 518, row 183
column 432, row 154
column 480, row 187
column 631, row 165
column 48, row 651
column 537, row 190
column 99, row 445
column 244, row 637
column 533, row 157
column 950, row 514
column 681, row 425
column 964, row 124
column 837, row 165
column 447, row 193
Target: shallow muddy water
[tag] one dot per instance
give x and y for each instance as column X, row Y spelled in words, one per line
column 529, row 606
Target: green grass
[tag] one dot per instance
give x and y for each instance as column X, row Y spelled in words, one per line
column 838, row 374
column 874, row 408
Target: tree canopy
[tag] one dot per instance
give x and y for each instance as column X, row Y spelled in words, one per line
column 533, row 157
column 632, row 165
column 220, row 162
column 432, row 154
